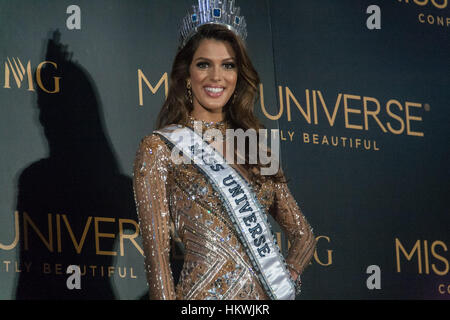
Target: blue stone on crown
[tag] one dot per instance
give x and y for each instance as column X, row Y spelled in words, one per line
column 217, row 13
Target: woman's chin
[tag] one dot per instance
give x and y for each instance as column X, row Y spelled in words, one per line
column 214, row 107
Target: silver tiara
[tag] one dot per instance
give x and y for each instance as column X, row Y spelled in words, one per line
column 222, row 12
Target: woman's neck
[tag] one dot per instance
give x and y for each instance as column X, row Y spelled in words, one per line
column 207, row 116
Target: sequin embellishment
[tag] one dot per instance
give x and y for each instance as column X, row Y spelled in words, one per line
column 176, row 202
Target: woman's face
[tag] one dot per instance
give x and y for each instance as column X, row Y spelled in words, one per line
column 213, row 75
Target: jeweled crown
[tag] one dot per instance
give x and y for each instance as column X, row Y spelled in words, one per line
column 222, row 12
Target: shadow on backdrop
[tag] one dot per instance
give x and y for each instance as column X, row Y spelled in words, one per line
column 61, row 197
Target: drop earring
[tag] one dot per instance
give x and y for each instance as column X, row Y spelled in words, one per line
column 189, row 90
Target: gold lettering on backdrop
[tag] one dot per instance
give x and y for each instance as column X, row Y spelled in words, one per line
column 124, row 274
column 15, row 267
column 91, row 270
column 428, row 18
column 442, row 5
column 263, row 106
column 16, row 237
column 58, row 229
column 399, row 246
column 39, row 79
column 431, row 19
column 142, row 77
column 18, row 72
column 46, row 269
column 329, row 259
column 439, row 4
column 58, row 268
column 110, row 271
column 331, row 119
column 395, row 116
column 373, row 113
column 290, row 134
column 77, row 245
column 99, row 235
column 441, row 288
column 316, row 139
column 128, row 236
column 423, row 249
column 329, row 253
column 343, row 142
column 348, row 110
column 289, row 97
column 27, row 221
column 7, row 265
column 358, row 112
column 46, row 237
column 409, row 118
column 439, row 257
column 315, row 106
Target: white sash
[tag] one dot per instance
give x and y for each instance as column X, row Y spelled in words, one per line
column 247, row 215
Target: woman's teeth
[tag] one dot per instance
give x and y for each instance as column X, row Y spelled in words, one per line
column 214, row 90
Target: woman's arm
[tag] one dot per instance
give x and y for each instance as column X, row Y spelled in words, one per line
column 149, row 182
column 287, row 213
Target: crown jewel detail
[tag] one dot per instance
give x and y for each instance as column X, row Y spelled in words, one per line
column 222, row 12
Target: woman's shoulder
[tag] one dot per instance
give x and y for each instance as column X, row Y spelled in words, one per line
column 155, row 138
column 153, row 141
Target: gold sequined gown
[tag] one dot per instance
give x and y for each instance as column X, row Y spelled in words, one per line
column 178, row 198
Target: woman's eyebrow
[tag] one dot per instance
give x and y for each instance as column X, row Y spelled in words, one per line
column 226, row 59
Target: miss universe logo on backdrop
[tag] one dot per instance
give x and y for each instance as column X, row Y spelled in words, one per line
column 337, row 112
column 432, row 12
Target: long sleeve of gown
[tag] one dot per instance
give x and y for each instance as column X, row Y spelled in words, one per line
column 149, row 183
column 287, row 213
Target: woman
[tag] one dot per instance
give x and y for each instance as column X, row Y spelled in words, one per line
column 214, row 84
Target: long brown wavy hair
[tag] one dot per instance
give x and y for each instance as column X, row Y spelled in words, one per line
column 239, row 111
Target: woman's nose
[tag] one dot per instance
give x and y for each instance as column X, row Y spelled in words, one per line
column 216, row 73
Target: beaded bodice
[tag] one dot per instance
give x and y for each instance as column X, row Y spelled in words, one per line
column 176, row 201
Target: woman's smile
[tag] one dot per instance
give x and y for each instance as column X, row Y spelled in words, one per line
column 214, row 92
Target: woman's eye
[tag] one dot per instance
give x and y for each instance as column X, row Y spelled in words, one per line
column 229, row 65
column 203, row 65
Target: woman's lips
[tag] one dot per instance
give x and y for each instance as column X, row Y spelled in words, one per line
column 214, row 92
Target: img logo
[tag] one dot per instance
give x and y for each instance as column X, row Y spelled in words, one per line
column 16, row 73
